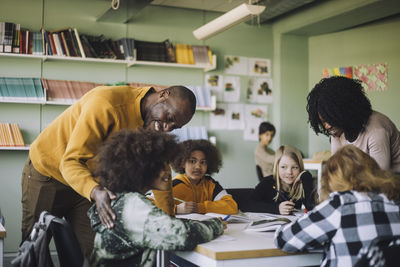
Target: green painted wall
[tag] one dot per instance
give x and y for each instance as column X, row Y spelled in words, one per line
column 152, row 24
column 373, row 43
column 293, row 86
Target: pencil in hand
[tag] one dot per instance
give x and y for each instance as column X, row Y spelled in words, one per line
column 226, row 217
column 280, row 193
column 183, row 201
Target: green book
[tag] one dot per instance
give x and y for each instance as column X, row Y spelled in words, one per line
column 29, row 88
column 3, row 88
column 15, row 88
column 38, row 87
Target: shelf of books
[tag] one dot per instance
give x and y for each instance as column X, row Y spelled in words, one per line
column 67, row 44
column 11, row 137
column 129, row 63
column 61, row 92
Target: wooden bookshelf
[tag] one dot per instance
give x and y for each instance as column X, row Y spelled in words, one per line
column 205, row 67
column 128, row 63
column 23, row 101
column 14, row 148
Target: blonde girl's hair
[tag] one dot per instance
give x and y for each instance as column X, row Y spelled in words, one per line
column 352, row 169
column 296, row 192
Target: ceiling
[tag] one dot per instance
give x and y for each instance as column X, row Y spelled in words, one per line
column 274, row 8
column 358, row 12
column 210, row 5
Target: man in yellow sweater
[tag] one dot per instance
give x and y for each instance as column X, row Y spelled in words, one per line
column 57, row 176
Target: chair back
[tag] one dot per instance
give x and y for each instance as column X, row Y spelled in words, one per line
column 67, row 245
column 259, row 173
column 34, row 251
column 383, row 251
column 241, row 196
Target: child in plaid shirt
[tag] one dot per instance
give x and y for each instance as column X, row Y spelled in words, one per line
column 361, row 203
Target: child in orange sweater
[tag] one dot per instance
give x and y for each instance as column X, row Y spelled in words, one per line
column 193, row 188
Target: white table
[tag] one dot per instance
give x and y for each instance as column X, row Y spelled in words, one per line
column 2, row 236
column 310, row 164
column 243, row 248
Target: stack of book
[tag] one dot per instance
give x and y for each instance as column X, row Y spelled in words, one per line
column 193, row 54
column 66, row 92
column 192, row 132
column 13, row 39
column 151, row 51
column 21, row 89
column 62, row 42
column 203, row 96
column 10, row 135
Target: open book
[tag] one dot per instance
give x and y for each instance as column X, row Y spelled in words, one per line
column 266, row 224
column 256, row 221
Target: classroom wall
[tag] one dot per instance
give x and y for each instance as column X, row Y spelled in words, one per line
column 152, row 24
column 376, row 42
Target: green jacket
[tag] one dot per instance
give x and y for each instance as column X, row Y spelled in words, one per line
column 141, row 228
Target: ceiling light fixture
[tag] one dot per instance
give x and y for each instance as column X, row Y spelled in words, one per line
column 229, row 19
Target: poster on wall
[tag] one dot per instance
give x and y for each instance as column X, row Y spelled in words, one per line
column 216, row 84
column 339, row 71
column 259, row 67
column 235, row 113
column 231, row 89
column 236, row 65
column 254, row 115
column 259, row 90
column 374, row 77
column 218, row 117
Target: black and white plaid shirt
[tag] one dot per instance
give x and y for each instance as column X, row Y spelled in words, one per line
column 341, row 225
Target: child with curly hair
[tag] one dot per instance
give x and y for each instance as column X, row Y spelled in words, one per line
column 129, row 164
column 193, row 188
column 361, row 202
column 288, row 188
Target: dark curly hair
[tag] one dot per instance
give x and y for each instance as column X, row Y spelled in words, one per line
column 213, row 156
column 342, row 103
column 131, row 160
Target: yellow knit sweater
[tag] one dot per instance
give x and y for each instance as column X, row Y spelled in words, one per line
column 66, row 148
column 208, row 194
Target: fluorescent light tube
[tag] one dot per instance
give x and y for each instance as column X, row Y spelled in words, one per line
column 229, row 19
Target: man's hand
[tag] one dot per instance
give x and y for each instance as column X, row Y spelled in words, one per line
column 103, row 197
column 187, row 207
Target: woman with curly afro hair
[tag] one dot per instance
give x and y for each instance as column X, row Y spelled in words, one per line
column 129, row 164
column 338, row 107
column 193, row 188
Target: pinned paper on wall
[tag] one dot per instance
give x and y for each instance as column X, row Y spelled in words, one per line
column 259, row 90
column 374, row 77
column 339, row 71
column 236, row 65
column 231, row 87
column 259, row 67
column 254, row 115
column 219, row 117
column 216, row 84
column 235, row 117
